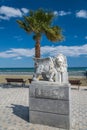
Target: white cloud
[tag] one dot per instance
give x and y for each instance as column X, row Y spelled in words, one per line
column 10, row 12
column 71, row 51
column 24, row 10
column 55, row 13
column 85, row 37
column 82, row 14
column 4, row 18
column 7, row 12
column 18, row 38
column 18, row 58
column 61, row 13
column 66, row 50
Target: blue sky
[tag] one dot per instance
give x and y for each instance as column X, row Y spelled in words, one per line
column 17, row 47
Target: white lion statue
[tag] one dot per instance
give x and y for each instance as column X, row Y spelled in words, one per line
column 60, row 62
column 52, row 69
column 44, row 67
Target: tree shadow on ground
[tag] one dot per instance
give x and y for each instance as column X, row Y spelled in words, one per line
column 21, row 111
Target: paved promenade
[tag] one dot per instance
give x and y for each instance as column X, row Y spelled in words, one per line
column 14, row 108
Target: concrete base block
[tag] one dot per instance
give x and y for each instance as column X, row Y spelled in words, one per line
column 49, row 104
column 56, row 120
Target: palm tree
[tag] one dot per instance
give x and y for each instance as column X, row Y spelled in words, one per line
column 40, row 22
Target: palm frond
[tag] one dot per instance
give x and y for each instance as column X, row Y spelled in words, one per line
column 54, row 34
column 40, row 22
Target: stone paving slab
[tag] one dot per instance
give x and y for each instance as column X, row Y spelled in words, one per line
column 14, row 108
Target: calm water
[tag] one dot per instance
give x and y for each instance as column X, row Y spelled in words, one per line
column 23, row 71
column 77, row 71
column 74, row 71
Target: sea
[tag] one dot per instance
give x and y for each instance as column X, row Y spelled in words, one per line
column 72, row 71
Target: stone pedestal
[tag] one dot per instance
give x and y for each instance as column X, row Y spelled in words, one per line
column 49, row 104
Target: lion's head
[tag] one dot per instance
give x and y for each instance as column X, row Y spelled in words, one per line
column 60, row 60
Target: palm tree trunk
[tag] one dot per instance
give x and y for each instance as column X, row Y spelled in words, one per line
column 37, row 49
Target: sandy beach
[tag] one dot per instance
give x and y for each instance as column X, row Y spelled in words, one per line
column 25, row 77
column 3, row 77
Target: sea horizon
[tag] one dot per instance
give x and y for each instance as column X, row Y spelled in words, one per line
column 73, row 71
column 33, row 67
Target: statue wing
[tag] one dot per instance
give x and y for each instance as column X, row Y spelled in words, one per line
column 43, row 60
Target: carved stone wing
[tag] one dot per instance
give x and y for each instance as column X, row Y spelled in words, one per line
column 43, row 61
